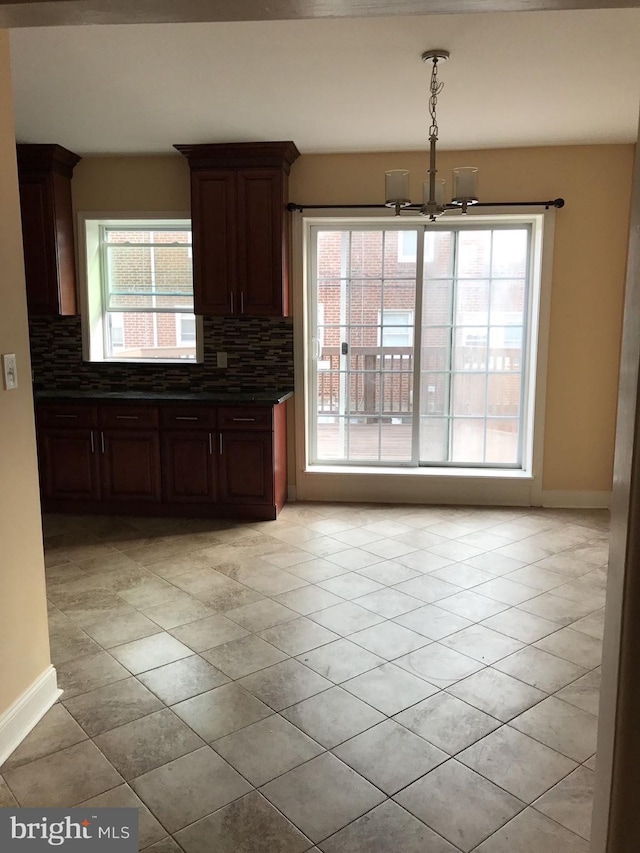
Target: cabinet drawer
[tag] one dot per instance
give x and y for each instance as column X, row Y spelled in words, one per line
column 187, row 417
column 67, row 415
column 245, row 417
column 128, row 417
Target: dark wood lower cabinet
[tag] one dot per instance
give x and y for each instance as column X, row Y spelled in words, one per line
column 232, row 465
column 130, row 465
column 68, row 464
column 188, row 466
column 246, row 467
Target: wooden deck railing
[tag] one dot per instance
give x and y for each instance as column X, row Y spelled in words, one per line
column 381, row 378
column 367, row 385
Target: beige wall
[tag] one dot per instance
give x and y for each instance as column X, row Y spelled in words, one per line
column 588, row 271
column 131, row 183
column 24, row 642
column 588, row 275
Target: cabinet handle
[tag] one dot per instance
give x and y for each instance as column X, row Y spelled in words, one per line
column 127, row 417
column 244, row 420
column 102, row 441
column 242, row 301
column 210, row 445
column 185, row 418
column 66, row 416
column 220, row 443
column 231, row 298
column 93, row 446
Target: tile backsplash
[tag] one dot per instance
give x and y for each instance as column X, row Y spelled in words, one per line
column 260, row 357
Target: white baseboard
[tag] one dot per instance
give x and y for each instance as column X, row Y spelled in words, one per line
column 576, row 500
column 18, row 720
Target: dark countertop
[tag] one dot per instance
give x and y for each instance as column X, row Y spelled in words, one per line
column 230, row 398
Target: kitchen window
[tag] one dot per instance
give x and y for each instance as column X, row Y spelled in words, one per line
column 138, row 294
column 425, row 351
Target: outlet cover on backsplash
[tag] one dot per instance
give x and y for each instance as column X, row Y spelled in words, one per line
column 259, row 350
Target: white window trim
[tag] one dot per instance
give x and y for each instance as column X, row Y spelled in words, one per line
column 89, row 267
column 521, row 487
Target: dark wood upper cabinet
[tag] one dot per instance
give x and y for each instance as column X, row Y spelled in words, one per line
column 44, row 174
column 215, row 258
column 239, row 194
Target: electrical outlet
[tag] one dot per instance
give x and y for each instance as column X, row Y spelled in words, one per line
column 10, row 371
column 221, row 359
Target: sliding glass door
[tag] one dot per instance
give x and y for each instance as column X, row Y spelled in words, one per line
column 418, row 344
column 363, row 333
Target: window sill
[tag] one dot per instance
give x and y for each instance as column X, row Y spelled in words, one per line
column 431, row 472
column 184, row 362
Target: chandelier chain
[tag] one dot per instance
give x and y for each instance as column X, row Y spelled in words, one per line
column 435, row 89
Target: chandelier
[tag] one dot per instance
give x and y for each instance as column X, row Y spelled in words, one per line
column 465, row 178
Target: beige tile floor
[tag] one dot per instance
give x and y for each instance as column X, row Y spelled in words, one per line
column 358, row 678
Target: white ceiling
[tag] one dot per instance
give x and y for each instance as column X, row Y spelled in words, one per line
column 534, row 78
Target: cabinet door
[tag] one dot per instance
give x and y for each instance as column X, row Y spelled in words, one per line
column 68, row 464
column 246, row 467
column 130, row 465
column 261, row 243
column 38, row 239
column 188, row 466
column 213, row 211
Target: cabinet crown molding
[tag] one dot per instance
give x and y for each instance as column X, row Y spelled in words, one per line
column 46, row 158
column 239, row 155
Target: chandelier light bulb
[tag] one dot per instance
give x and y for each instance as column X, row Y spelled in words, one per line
column 465, row 185
column 396, row 186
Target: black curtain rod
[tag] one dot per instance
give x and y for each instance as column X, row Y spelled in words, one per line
column 556, row 202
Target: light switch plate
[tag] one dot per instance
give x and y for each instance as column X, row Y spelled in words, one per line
column 10, row 371
column 221, row 359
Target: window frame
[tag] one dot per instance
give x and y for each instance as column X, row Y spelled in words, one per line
column 369, row 482
column 92, row 287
